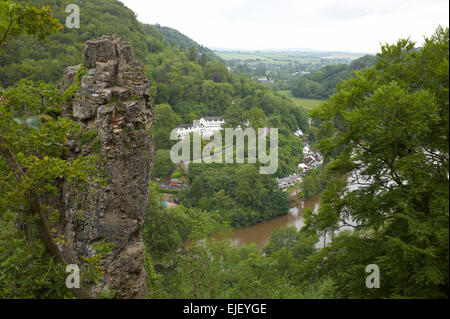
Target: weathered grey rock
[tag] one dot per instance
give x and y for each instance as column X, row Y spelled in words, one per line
column 69, row 76
column 99, row 50
column 114, row 101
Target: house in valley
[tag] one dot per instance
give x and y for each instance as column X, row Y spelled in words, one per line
column 206, row 127
column 286, row 182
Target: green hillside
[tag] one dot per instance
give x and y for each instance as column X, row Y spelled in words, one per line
column 322, row 83
column 188, row 88
column 307, row 104
column 184, row 42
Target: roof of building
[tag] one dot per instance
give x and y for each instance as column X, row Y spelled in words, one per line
column 309, row 160
column 217, row 118
column 289, row 179
column 184, row 126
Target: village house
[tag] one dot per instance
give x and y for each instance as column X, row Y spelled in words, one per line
column 286, row 182
column 177, row 182
column 299, row 133
column 310, row 161
column 263, row 79
column 306, row 150
column 303, row 168
column 206, row 127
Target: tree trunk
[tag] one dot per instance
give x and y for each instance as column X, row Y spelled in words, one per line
column 35, row 209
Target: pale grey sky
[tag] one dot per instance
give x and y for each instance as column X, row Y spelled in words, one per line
column 337, row 25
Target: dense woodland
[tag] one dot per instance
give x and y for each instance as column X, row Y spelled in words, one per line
column 196, row 51
column 389, row 122
column 322, row 84
column 281, row 69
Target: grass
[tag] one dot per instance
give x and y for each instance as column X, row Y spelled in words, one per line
column 282, row 58
column 270, row 58
column 307, row 104
column 70, row 92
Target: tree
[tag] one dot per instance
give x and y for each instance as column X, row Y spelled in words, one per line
column 250, row 190
column 192, row 54
column 163, row 164
column 235, row 116
column 257, row 118
column 281, row 238
column 31, row 161
column 203, row 60
column 322, row 83
column 16, row 19
column 219, row 201
column 165, row 229
column 33, row 165
column 389, row 126
column 216, row 72
column 165, row 121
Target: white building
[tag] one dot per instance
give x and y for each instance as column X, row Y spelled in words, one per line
column 299, row 133
column 306, row 150
column 292, row 180
column 303, row 168
column 205, row 127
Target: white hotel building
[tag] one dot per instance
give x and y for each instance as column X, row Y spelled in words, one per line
column 205, row 127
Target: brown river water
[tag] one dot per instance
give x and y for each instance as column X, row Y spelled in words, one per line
column 260, row 234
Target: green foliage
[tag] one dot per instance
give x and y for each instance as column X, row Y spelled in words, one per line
column 241, row 195
column 26, row 270
column 165, row 121
column 169, row 191
column 16, row 19
column 88, row 136
column 154, row 280
column 389, row 127
column 389, row 123
column 40, row 151
column 163, row 164
column 183, row 42
column 300, row 244
column 177, row 174
column 190, row 90
column 314, row 182
column 24, row 58
column 216, row 269
column 322, row 84
column 69, row 93
column 164, row 229
column 27, row 99
column 216, row 72
column 92, row 265
column 167, row 229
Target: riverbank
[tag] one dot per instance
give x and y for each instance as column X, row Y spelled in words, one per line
column 260, row 234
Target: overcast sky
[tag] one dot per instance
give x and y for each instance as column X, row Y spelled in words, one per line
column 337, row 25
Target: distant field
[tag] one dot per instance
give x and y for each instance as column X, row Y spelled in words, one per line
column 308, row 104
column 281, row 58
column 274, row 59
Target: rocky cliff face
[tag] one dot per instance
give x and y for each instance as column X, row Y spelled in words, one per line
column 110, row 100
